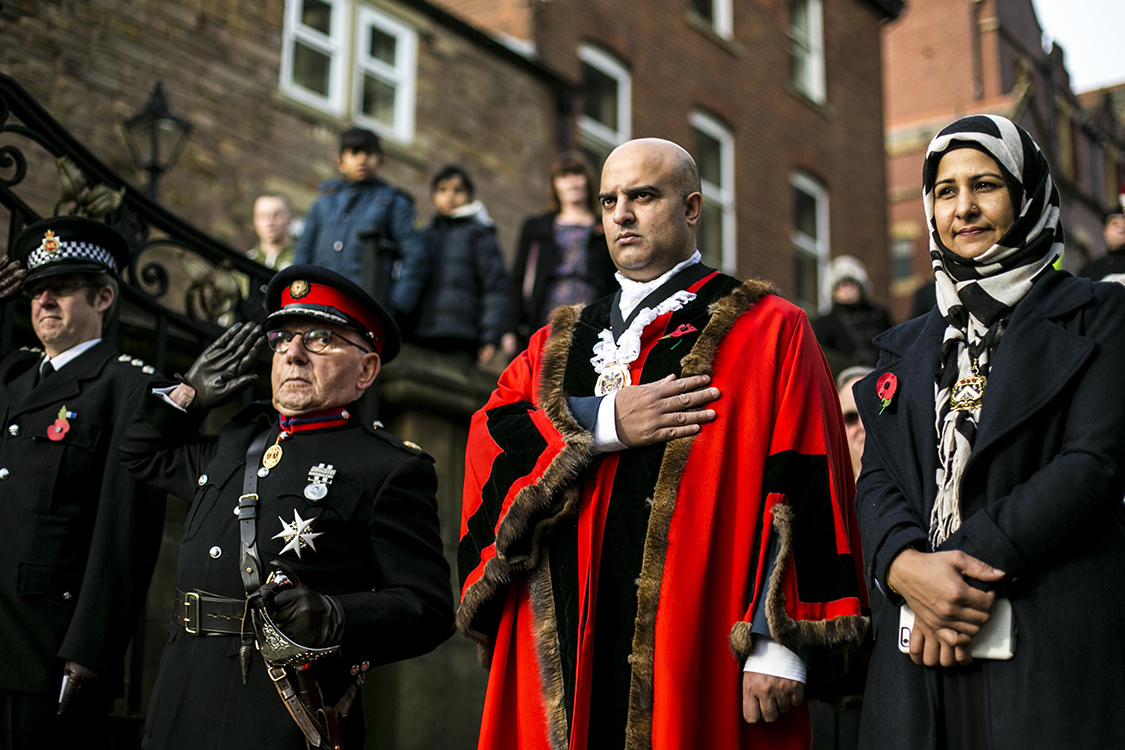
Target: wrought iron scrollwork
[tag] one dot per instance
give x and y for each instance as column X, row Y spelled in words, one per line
column 176, row 272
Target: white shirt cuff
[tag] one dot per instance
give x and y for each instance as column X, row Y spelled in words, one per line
column 162, row 394
column 770, row 657
column 605, row 427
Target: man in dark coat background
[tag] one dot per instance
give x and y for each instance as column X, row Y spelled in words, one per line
column 344, row 509
column 81, row 532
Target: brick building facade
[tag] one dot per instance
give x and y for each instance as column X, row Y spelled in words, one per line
column 944, row 59
column 471, row 100
column 778, row 101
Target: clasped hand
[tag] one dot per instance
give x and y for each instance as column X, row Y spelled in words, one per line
column 664, row 410
column 948, row 611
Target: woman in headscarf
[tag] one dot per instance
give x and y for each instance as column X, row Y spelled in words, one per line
column 994, row 471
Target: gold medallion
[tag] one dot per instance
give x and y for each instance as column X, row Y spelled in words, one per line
column 272, row 456
column 968, row 393
column 613, row 378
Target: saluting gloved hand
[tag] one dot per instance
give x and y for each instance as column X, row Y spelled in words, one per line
column 309, row 618
column 11, row 277
column 225, row 367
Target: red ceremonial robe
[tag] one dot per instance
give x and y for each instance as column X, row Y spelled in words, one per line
column 541, row 541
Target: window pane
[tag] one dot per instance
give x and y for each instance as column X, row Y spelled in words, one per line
column 382, row 46
column 311, row 68
column 902, row 259
column 799, row 18
column 709, row 158
column 600, row 92
column 378, row 99
column 317, row 14
column 804, row 213
column 705, row 8
column 806, row 280
column 709, row 239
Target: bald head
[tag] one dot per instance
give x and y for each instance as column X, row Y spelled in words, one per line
column 651, row 205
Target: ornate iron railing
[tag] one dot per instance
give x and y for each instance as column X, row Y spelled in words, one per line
column 181, row 284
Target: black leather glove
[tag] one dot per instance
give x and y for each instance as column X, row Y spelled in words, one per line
column 309, row 618
column 226, row 367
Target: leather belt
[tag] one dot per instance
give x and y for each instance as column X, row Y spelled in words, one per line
column 209, row 614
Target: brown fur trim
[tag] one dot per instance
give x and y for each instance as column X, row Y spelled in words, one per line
column 828, row 643
column 549, row 654
column 539, row 506
column 724, row 313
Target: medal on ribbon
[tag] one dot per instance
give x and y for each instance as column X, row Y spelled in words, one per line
column 613, row 378
column 320, row 476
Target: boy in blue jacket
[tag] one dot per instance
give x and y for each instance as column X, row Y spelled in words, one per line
column 359, row 202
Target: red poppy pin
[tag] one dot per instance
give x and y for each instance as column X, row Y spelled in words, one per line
column 57, row 431
column 885, row 388
column 683, row 330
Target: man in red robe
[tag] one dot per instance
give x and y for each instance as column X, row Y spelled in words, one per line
column 661, row 481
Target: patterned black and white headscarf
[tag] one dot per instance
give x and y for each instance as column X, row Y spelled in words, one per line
column 976, row 296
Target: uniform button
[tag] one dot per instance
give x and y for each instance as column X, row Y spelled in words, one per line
column 337, row 245
column 67, row 596
column 202, row 479
column 263, row 472
column 4, row 474
column 215, row 551
column 14, row 430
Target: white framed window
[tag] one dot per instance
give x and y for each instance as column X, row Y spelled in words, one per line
column 806, row 39
column 714, row 155
column 607, row 93
column 718, row 13
column 351, row 61
column 902, row 258
column 810, row 242
column 386, row 61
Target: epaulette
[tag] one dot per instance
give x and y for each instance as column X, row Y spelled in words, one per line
column 409, row 446
column 146, row 369
column 32, row 349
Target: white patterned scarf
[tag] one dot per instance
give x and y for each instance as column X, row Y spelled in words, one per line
column 976, row 297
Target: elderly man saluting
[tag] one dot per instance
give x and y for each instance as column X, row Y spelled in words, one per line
column 660, row 481
column 311, row 551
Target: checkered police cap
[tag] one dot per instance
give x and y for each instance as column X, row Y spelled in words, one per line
column 70, row 244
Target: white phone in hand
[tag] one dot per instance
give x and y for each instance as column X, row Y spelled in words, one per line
column 996, row 640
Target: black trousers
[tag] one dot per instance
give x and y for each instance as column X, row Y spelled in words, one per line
column 29, row 720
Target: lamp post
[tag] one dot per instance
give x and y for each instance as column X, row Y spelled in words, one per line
column 156, row 137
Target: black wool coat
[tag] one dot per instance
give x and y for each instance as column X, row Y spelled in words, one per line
column 1041, row 500
column 379, row 553
column 80, row 533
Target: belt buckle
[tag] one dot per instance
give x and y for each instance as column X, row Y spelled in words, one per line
column 187, row 619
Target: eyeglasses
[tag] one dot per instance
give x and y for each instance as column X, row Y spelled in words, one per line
column 56, row 288
column 316, row 340
column 851, row 418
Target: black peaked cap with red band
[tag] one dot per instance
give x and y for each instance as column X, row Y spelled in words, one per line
column 315, row 292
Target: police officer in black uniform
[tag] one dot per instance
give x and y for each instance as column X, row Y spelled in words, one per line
column 80, row 533
column 309, row 530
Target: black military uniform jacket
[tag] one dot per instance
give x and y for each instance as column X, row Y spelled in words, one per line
column 378, row 551
column 80, row 533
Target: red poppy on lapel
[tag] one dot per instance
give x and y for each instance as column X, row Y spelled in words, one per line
column 885, row 388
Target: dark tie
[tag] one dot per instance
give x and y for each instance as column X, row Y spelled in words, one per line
column 45, row 371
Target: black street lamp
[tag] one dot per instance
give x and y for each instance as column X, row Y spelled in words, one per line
column 156, row 137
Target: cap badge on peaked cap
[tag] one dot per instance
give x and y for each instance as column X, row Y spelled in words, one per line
column 50, row 243
column 298, row 289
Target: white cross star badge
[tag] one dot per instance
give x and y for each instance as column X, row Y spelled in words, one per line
column 297, row 534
